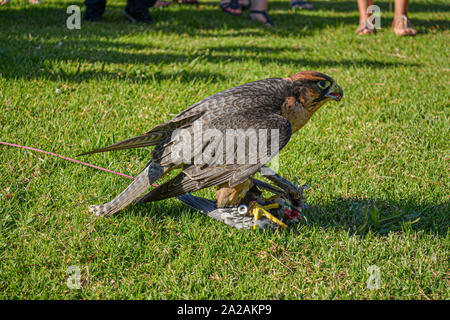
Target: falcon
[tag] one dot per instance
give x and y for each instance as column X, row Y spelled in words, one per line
column 270, row 109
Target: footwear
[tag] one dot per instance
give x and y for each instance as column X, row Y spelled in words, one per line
column 403, row 27
column 366, row 27
column 233, row 5
column 92, row 14
column 140, row 16
column 301, row 5
column 268, row 22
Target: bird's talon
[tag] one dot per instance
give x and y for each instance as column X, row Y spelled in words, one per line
column 257, row 211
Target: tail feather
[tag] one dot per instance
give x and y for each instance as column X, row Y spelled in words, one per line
column 152, row 137
column 144, row 140
column 142, row 182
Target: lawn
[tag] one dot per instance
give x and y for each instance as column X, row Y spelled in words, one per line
column 382, row 153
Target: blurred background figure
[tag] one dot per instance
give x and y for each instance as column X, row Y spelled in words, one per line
column 401, row 25
column 135, row 11
column 258, row 9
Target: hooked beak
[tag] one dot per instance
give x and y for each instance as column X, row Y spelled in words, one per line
column 335, row 93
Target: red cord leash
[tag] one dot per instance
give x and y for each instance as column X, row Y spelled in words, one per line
column 289, row 210
column 76, row 161
column 66, row 158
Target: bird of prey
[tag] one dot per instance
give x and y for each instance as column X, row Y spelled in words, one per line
column 276, row 107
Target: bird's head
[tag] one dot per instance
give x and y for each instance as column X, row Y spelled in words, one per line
column 312, row 89
column 309, row 90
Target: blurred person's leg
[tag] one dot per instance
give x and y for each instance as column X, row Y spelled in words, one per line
column 94, row 10
column 402, row 25
column 258, row 11
column 365, row 27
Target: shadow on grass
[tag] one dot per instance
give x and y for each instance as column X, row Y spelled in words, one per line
column 356, row 216
column 31, row 57
column 34, row 65
column 342, row 214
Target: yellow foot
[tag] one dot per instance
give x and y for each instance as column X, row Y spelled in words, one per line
column 257, row 211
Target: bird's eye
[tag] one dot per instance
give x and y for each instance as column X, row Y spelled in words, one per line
column 323, row 84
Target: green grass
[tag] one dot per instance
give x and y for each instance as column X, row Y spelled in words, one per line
column 384, row 150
